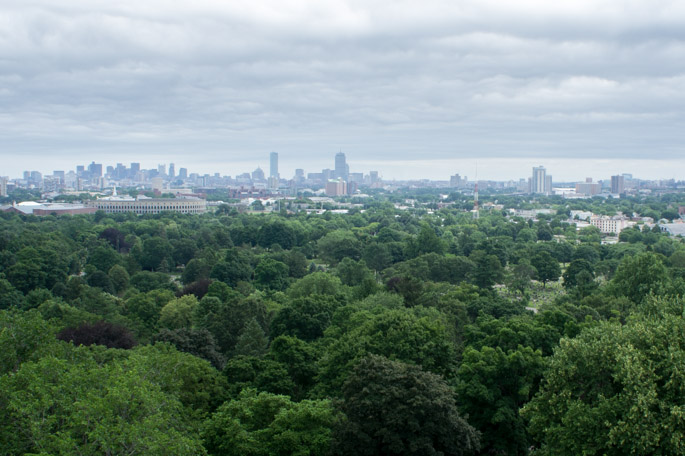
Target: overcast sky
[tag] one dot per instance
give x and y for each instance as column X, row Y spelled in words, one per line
column 424, row 88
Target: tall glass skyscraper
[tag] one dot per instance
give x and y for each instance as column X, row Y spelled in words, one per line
column 341, row 169
column 273, row 161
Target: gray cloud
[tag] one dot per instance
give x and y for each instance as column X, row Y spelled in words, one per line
column 230, row 81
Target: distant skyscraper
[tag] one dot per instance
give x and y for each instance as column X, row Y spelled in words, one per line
column 161, row 170
column 172, row 170
column 258, row 174
column 455, row 181
column 539, row 181
column 183, row 173
column 3, row 186
column 341, row 169
column 95, row 170
column 273, row 162
column 617, row 184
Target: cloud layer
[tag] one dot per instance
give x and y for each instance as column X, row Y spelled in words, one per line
column 216, row 81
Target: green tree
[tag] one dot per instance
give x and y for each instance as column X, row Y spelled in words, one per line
column 394, row 408
column 271, row 275
column 576, row 267
column 613, row 390
column 398, row 334
column 520, row 277
column 10, row 297
column 103, row 258
column 492, row 386
column 640, row 275
column 265, row 424
column 339, row 244
column 252, row 340
column 488, row 269
column 55, row 406
column 24, row 336
column 178, row 313
column 119, row 278
column 547, row 267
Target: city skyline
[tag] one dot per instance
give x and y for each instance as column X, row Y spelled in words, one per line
column 605, row 172
column 386, row 82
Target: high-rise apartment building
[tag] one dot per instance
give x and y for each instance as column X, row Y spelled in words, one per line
column 537, row 184
column 617, row 184
column 3, row 186
column 540, row 183
column 341, row 169
column 273, row 164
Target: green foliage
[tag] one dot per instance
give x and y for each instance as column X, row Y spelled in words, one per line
column 339, row 244
column 271, row 275
column 24, row 336
column 398, row 334
column 252, row 340
column 492, row 386
column 178, row 313
column 546, row 266
column 639, row 276
column 395, row 408
column 265, row 424
column 76, row 406
column 614, row 390
column 318, row 283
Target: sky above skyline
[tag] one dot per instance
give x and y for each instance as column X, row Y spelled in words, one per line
column 423, row 89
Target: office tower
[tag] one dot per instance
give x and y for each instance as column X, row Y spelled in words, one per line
column 299, row 174
column 273, row 162
column 59, row 175
column 80, row 170
column 110, row 171
column 617, row 184
column 95, row 170
column 161, row 170
column 3, row 186
column 183, row 173
column 135, row 168
column 455, row 181
column 27, row 175
column 539, row 180
column 172, row 170
column 120, row 171
column 373, row 177
column 36, row 177
column 258, row 174
column 341, row 169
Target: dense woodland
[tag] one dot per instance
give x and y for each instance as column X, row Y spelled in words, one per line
column 378, row 332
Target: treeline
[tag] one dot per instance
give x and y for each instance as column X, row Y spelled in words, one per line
column 377, row 332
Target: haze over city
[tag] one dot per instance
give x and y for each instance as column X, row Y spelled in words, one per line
column 415, row 90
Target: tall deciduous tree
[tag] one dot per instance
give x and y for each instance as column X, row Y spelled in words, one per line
column 614, row 390
column 397, row 409
column 547, row 267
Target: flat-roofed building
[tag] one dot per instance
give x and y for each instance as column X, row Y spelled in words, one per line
column 609, row 225
column 141, row 205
